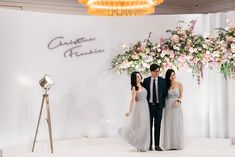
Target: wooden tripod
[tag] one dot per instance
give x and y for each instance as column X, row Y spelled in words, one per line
column 45, row 101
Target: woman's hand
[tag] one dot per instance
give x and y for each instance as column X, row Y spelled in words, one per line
column 176, row 104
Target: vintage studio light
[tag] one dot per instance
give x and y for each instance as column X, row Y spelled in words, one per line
column 46, row 82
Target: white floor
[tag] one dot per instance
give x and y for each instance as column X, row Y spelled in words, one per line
column 114, row 147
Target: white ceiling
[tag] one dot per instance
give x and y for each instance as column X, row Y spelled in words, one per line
column 168, row 7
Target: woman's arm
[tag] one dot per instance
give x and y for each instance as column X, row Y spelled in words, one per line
column 133, row 100
column 178, row 101
column 181, row 92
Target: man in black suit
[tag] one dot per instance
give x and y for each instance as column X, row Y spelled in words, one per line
column 156, row 88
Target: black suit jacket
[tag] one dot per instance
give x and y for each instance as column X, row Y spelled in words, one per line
column 161, row 90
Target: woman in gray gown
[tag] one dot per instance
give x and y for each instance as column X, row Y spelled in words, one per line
column 173, row 132
column 137, row 130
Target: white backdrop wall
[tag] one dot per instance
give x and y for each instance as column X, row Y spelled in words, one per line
column 88, row 100
column 231, row 87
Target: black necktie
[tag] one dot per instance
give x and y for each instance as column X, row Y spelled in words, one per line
column 154, row 92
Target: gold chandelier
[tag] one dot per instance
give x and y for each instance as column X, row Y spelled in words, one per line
column 120, row 7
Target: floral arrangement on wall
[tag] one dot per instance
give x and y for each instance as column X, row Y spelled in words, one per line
column 183, row 47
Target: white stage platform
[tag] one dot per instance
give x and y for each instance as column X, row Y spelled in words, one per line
column 114, row 147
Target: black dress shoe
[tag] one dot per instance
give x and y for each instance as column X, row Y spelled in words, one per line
column 150, row 148
column 173, row 149
column 157, row 148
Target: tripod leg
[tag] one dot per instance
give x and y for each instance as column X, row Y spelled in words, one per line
column 39, row 118
column 49, row 123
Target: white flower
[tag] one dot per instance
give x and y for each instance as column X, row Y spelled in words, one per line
column 125, row 65
column 224, row 50
column 142, row 55
column 216, row 53
column 172, row 55
column 158, row 50
column 233, row 50
column 145, row 65
column 152, row 54
column 148, row 59
column 176, row 47
column 162, row 55
column 167, row 60
column 135, row 56
column 137, row 67
column 147, row 51
column 222, row 42
column 204, row 46
column 143, row 45
column 207, row 52
column 189, row 42
column 131, row 64
column 233, row 47
column 191, row 50
column 159, row 61
column 193, row 34
column 124, row 46
column 171, row 52
column 189, row 57
column 164, row 52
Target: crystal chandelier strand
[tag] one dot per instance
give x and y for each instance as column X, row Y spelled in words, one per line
column 158, row 2
column 125, row 11
column 120, row 3
column 120, row 7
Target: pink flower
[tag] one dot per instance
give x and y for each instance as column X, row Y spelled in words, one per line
column 165, row 64
column 175, row 38
column 162, row 40
column 191, row 50
column 182, row 58
column 172, row 55
column 229, row 38
column 189, row 42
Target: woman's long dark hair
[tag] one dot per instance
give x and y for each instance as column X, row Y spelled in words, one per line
column 167, row 78
column 133, row 80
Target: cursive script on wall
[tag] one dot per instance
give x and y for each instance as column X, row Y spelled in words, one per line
column 72, row 47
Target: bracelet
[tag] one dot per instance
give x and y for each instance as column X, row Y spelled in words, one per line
column 179, row 100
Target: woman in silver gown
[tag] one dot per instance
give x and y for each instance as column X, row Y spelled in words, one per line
column 173, row 132
column 137, row 130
